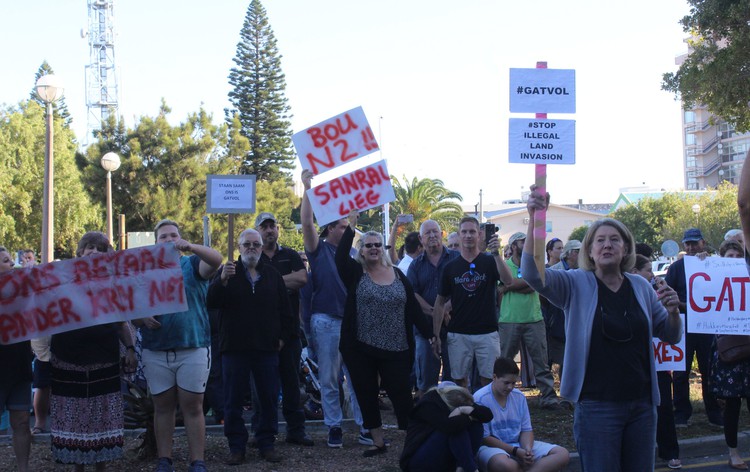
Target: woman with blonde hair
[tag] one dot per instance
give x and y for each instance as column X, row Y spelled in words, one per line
column 377, row 332
column 445, row 431
column 611, row 318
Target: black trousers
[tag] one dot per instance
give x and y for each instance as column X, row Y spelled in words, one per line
column 666, row 435
column 365, row 368
column 699, row 345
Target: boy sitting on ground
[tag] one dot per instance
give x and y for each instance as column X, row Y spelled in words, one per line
column 508, row 444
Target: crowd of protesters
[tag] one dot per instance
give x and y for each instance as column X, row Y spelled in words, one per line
column 436, row 326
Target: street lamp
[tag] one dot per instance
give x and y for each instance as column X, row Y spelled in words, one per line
column 50, row 89
column 696, row 209
column 110, row 162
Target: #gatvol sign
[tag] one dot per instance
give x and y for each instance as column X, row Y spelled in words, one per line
column 542, row 90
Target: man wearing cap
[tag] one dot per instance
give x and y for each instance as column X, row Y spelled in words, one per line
column 521, row 319
column 289, row 264
column 327, row 306
column 695, row 343
column 569, row 256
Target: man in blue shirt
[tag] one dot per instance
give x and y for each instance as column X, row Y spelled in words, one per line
column 424, row 275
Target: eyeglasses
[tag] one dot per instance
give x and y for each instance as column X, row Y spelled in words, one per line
column 371, row 245
column 616, row 327
column 472, row 266
column 254, row 245
column 451, row 246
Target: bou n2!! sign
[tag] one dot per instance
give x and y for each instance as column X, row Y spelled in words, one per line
column 335, row 141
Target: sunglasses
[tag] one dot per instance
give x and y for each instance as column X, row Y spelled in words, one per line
column 254, row 245
column 371, row 245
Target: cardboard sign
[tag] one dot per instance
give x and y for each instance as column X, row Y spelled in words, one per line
column 717, row 290
column 87, row 291
column 541, row 141
column 230, row 194
column 358, row 190
column 335, row 141
column 542, row 91
column 670, row 356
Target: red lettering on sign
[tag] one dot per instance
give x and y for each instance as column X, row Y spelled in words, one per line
column 21, row 324
column 166, row 291
column 344, row 147
column 693, row 304
column 665, row 352
column 116, row 298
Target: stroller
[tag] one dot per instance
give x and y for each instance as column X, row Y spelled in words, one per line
column 310, row 386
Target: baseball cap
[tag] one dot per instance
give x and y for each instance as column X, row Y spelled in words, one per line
column 693, row 234
column 571, row 245
column 265, row 216
column 516, row 237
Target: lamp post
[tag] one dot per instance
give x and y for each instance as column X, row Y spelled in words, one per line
column 110, row 163
column 49, row 88
column 696, row 209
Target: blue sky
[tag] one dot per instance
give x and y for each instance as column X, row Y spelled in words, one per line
column 435, row 71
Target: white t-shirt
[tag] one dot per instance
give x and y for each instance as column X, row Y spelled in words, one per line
column 404, row 264
column 507, row 423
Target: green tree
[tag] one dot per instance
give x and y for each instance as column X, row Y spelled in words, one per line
column 716, row 73
column 258, row 99
column 647, row 218
column 163, row 170
column 425, row 199
column 22, row 148
column 59, row 107
column 578, row 233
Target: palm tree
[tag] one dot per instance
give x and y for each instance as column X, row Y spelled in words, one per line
column 426, row 199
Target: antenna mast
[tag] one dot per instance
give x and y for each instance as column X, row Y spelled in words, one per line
column 101, row 77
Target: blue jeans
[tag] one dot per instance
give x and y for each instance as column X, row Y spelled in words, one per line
column 615, row 436
column 237, row 369
column 326, row 331
column 426, row 365
column 447, row 452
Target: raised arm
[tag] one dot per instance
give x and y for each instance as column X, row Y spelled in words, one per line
column 310, row 236
column 743, row 200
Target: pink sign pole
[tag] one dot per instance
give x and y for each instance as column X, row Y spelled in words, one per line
column 540, row 217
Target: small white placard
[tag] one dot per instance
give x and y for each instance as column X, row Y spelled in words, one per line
column 230, row 194
column 542, row 91
column 670, row 356
column 541, row 141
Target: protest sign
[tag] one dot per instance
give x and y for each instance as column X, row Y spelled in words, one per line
column 670, row 356
column 335, row 141
column 358, row 190
column 541, row 141
column 230, row 193
column 77, row 293
column 542, row 90
column 717, row 290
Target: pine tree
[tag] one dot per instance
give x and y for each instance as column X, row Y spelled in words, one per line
column 59, row 107
column 258, row 99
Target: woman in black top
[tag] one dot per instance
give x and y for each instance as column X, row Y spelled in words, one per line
column 377, row 339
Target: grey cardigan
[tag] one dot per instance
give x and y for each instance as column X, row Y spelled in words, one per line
column 575, row 291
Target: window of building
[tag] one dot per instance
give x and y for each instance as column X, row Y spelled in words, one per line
column 689, row 116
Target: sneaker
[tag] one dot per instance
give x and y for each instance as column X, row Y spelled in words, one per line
column 164, row 465
column 197, row 466
column 335, row 437
column 365, row 438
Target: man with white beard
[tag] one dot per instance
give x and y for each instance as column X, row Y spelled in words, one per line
column 255, row 321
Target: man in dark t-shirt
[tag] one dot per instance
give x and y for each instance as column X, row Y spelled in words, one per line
column 470, row 283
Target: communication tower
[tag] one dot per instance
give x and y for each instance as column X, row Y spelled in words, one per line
column 101, row 77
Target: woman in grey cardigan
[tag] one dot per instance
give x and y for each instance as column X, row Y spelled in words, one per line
column 610, row 319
